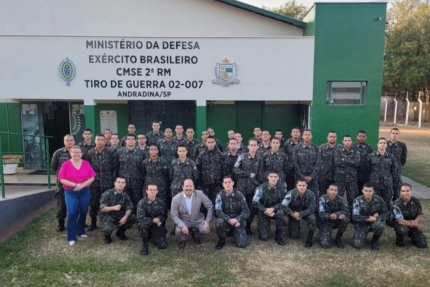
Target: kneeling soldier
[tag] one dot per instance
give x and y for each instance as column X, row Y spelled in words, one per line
column 115, row 210
column 151, row 212
column 332, row 213
column 231, row 211
column 407, row 212
column 267, row 201
column 369, row 213
column 298, row 204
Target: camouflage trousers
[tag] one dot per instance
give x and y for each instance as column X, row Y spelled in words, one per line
column 148, row 229
column 326, row 228
column 96, row 193
column 109, row 223
column 135, row 193
column 252, row 210
column 61, row 202
column 360, row 182
column 397, row 185
column 211, row 190
column 176, row 191
column 323, row 185
column 363, row 228
column 313, row 186
column 351, row 191
column 386, row 194
column 290, row 181
column 239, row 233
column 294, row 225
column 417, row 236
column 263, row 224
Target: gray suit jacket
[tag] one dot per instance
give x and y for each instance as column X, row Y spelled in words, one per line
column 179, row 211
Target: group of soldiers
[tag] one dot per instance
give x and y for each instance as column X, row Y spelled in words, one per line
column 271, row 178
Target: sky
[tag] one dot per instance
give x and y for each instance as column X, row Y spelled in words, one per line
column 275, row 3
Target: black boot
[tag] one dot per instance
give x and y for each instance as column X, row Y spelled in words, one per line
column 145, row 249
column 278, row 237
column 108, row 239
column 121, row 234
column 399, row 242
column 220, row 243
column 375, row 245
column 60, row 226
column 248, row 228
column 338, row 241
column 93, row 224
column 309, row 239
column 172, row 232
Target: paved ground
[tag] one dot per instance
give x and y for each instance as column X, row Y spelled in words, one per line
column 420, row 191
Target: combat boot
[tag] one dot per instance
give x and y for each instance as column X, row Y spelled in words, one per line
column 108, row 239
column 93, row 224
column 338, row 241
column 60, row 226
column 145, row 248
column 220, row 243
column 248, row 228
column 121, row 234
column 399, row 242
column 309, row 239
column 278, row 237
column 375, row 245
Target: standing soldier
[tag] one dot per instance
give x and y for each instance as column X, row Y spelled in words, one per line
column 267, row 201
column 115, row 210
column 400, row 152
column 276, row 160
column 210, row 165
column 307, row 161
column 264, row 145
column 114, row 142
column 131, row 129
column 151, row 219
column 141, row 143
column 198, row 149
column 332, row 213
column 167, row 146
column 60, row 156
column 326, row 173
column 101, row 160
column 156, row 171
column 230, row 157
column 128, row 165
column 407, row 212
column 155, row 135
column 383, row 171
column 231, row 212
column 240, row 147
column 87, row 144
column 179, row 138
column 191, row 143
column 211, row 132
column 299, row 204
column 289, row 146
column 181, row 169
column 346, row 162
column 364, row 149
column 230, row 135
column 257, row 135
column 369, row 214
column 247, row 170
column 107, row 134
column 280, row 136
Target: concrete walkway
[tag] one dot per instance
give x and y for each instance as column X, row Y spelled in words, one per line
column 419, row 190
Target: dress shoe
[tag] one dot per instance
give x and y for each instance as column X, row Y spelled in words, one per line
column 182, row 244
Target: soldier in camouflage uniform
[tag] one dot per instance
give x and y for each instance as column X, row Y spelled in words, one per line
column 155, row 135
column 211, row 132
column 198, row 149
column 101, row 160
column 210, row 165
column 128, row 165
column 60, row 156
column 181, row 169
column 307, row 161
column 247, row 170
column 407, row 213
column 87, row 144
column 107, row 134
column 258, row 135
column 167, row 146
column 241, row 148
column 230, row 135
column 267, row 201
column 179, row 138
column 116, row 211
column 230, row 157
column 231, row 212
column 264, row 145
column 369, row 214
column 114, row 142
column 190, row 142
column 364, row 149
column 276, row 160
column 346, row 162
column 156, row 171
column 299, row 204
column 141, row 143
column 400, row 152
column 279, row 134
column 326, row 173
column 383, row 171
column 332, row 213
column 151, row 219
column 131, row 129
column 288, row 148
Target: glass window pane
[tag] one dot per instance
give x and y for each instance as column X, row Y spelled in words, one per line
column 346, row 93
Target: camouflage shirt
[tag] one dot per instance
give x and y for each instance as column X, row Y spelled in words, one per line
column 145, row 150
column 153, row 138
column 231, row 206
column 304, row 205
column 276, row 161
column 364, row 150
column 326, row 207
column 307, row 160
column 268, row 197
column 180, row 171
column 241, row 149
column 383, row 169
column 122, row 141
column 102, row 163
column 167, row 149
column 362, row 209
column 147, row 210
column 244, row 166
column 327, row 163
column 179, row 141
column 210, row 165
column 229, row 161
column 400, row 152
column 157, row 173
column 289, row 146
column 346, row 164
column 128, row 163
column 407, row 210
column 59, row 157
column 262, row 149
column 111, row 198
column 86, row 148
column 190, row 148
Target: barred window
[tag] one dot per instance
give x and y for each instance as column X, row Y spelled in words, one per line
column 346, row 93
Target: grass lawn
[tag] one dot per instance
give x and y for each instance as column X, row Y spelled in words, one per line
column 39, row 256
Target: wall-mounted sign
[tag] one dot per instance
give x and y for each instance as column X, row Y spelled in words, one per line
column 67, row 70
column 226, row 73
column 108, row 120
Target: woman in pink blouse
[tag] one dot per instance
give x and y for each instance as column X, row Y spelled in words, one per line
column 76, row 175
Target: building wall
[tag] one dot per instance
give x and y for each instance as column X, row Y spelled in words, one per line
column 349, row 46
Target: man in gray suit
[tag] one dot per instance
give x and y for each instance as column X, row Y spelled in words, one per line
column 185, row 211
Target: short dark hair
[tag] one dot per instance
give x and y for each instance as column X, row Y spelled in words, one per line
column 278, row 130
column 361, row 132
column 406, row 184
column 233, row 140
column 301, row 179
column 274, row 172
column 368, row 185
column 347, row 136
column 394, row 129
column 210, row 137
column 332, row 132
column 114, row 134
column 156, row 122
column 121, row 177
column 151, row 145
column 307, row 130
column 130, row 135
column 297, row 128
column 181, row 145
column 107, row 130
column 333, row 184
column 383, row 139
column 190, row 128
column 257, row 128
column 179, row 125
column 131, row 124
column 100, row 135
column 252, row 140
column 227, row 176
column 88, row 130
column 275, row 138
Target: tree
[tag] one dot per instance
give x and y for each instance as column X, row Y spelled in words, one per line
column 407, row 51
column 290, row 9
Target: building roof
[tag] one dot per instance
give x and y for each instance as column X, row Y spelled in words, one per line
column 264, row 12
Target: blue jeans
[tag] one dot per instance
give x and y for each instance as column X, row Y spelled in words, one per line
column 77, row 203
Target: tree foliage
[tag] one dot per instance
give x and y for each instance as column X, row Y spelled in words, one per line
column 290, row 9
column 407, row 47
